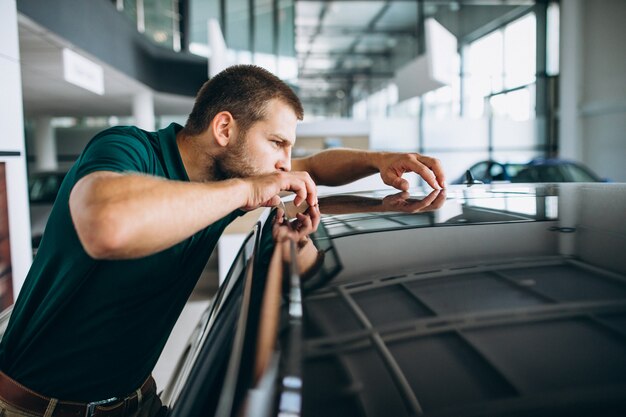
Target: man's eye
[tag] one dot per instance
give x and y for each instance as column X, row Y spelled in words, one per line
column 276, row 143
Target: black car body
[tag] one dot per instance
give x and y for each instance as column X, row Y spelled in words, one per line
column 505, row 300
column 538, row 170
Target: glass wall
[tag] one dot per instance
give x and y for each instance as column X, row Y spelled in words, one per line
column 487, row 111
column 159, row 20
column 256, row 31
column 263, row 34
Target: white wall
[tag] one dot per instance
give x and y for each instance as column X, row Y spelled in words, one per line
column 593, row 85
column 12, row 143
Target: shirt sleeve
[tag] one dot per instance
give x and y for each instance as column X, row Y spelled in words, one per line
column 116, row 153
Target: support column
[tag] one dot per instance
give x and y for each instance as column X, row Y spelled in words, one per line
column 15, row 261
column 570, row 88
column 143, row 110
column 45, row 145
column 542, row 109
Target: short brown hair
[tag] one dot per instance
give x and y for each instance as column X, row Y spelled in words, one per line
column 242, row 90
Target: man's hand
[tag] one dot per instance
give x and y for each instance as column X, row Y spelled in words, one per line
column 393, row 165
column 264, row 189
column 299, row 229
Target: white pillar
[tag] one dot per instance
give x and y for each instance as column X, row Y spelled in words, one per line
column 12, row 146
column 570, row 80
column 143, row 110
column 45, row 145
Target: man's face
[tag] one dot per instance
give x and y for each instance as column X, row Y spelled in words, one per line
column 265, row 148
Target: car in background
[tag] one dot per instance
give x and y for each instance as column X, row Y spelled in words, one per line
column 538, row 170
column 490, row 300
column 43, row 188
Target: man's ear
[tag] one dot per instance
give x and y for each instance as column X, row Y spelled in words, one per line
column 223, row 127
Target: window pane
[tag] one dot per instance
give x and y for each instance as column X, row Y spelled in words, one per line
column 520, row 52
column 237, row 25
column 485, row 65
column 200, row 13
column 263, row 26
column 286, row 30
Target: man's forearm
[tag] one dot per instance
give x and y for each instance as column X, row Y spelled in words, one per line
column 339, row 166
column 130, row 216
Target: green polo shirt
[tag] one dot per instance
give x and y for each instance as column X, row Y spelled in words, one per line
column 85, row 329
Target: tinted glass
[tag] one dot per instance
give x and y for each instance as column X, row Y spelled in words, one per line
column 578, row 174
column 44, row 189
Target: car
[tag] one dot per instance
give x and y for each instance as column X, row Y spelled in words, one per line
column 538, row 170
column 43, row 188
column 490, row 300
column 556, row 170
column 490, row 171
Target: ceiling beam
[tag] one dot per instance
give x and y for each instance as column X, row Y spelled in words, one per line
column 342, row 31
column 443, row 2
column 346, row 74
column 320, row 20
column 370, row 26
column 354, row 54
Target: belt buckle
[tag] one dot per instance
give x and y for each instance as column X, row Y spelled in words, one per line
column 91, row 407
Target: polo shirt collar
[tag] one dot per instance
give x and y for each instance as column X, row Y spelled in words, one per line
column 171, row 155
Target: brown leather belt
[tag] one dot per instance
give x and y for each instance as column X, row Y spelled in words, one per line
column 23, row 398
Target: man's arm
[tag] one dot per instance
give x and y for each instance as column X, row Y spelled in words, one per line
column 341, row 166
column 124, row 216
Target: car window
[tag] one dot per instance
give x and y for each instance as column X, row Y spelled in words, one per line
column 479, row 172
column 497, row 172
column 44, row 189
column 578, row 174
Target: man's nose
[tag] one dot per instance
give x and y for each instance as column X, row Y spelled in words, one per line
column 284, row 163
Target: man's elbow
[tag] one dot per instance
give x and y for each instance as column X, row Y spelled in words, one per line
column 101, row 238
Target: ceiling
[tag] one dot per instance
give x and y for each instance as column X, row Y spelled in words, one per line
column 345, row 49
column 45, row 91
column 343, row 43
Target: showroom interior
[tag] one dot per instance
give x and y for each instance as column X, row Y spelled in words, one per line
column 460, row 80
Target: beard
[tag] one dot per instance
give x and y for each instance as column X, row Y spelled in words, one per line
column 235, row 162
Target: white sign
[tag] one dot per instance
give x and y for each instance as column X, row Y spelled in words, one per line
column 82, row 72
column 431, row 70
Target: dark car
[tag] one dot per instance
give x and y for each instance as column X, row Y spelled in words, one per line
column 43, row 188
column 556, row 170
column 538, row 170
column 505, row 300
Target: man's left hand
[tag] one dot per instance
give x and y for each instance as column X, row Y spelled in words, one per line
column 393, row 165
column 298, row 229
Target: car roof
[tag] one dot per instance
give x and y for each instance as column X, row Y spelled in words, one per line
column 508, row 298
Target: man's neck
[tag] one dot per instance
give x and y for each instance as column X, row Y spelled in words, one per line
column 196, row 156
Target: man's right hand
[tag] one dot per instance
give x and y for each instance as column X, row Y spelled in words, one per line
column 263, row 190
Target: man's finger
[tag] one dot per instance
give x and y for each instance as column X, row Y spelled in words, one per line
column 424, row 172
column 299, row 187
column 435, row 166
column 311, row 190
column 401, row 184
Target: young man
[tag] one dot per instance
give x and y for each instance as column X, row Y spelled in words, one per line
column 133, row 225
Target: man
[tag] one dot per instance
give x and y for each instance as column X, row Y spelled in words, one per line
column 132, row 228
